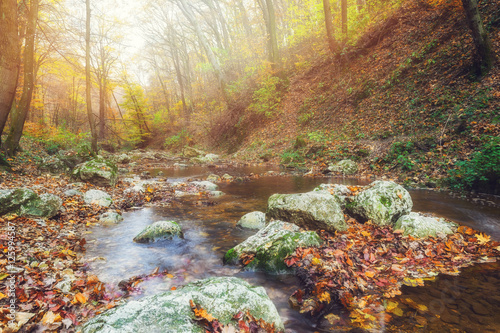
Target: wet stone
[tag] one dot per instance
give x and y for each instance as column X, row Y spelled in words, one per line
column 480, row 309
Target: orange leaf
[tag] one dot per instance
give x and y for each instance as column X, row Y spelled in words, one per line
column 370, row 274
column 80, row 298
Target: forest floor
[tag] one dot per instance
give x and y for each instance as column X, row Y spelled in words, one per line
column 404, row 102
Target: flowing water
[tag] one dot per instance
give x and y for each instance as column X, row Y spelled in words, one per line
column 209, row 231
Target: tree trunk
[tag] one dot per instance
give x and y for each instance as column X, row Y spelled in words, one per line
column 188, row 13
column 9, row 58
column 332, row 43
column 344, row 17
column 88, row 85
column 273, row 34
column 485, row 54
column 19, row 117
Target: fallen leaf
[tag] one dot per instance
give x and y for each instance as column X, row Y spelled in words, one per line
column 482, row 238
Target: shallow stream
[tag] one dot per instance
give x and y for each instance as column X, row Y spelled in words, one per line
column 471, row 302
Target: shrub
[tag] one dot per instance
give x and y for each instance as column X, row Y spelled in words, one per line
column 481, row 172
column 176, row 142
column 267, row 98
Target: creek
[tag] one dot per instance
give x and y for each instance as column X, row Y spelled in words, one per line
column 468, row 302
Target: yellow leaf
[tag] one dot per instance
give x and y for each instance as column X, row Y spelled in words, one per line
column 315, row 261
column 2, row 296
column 366, row 233
column 170, row 276
column 50, row 318
column 325, row 297
column 482, row 238
column 392, row 307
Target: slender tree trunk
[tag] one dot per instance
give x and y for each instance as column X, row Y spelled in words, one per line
column 484, row 49
column 244, row 17
column 332, row 43
column 19, row 117
column 344, row 17
column 88, row 84
column 188, row 13
column 273, row 34
column 9, row 58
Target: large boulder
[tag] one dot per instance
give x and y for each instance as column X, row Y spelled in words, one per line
column 383, row 202
column 97, row 197
column 159, row 231
column 98, row 171
column 11, row 200
column 222, row 297
column 253, row 220
column 421, row 226
column 271, row 245
column 345, row 167
column 52, row 164
column 339, row 191
column 45, row 206
column 311, row 210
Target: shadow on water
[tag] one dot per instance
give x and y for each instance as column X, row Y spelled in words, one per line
column 209, row 229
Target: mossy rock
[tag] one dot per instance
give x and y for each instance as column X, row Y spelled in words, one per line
column 98, row 172
column 157, row 231
column 383, row 202
column 421, row 226
column 11, row 200
column 45, row 206
column 345, row 167
column 315, row 210
column 253, row 220
column 222, row 297
column 271, row 245
column 97, row 197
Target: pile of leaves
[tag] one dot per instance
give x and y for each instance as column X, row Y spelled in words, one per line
column 365, row 267
column 244, row 322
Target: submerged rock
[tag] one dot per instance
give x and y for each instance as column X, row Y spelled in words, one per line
column 312, row 210
column 222, row 297
column 383, row 202
column 98, row 171
column 227, row 177
column 158, row 231
column 253, row 220
column 213, row 178
column 418, row 225
column 345, row 167
column 205, row 185
column 271, row 245
column 110, row 218
column 97, row 197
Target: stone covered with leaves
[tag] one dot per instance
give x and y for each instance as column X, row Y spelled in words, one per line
column 315, row 210
column 267, row 249
column 421, row 226
column 222, row 297
column 159, row 231
column 99, row 172
column 253, row 220
column 383, row 202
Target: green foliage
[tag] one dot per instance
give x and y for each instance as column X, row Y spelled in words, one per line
column 317, row 136
column 399, row 155
column 291, row 157
column 481, row 172
column 267, row 98
column 177, row 141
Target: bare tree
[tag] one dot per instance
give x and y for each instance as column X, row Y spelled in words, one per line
column 88, row 83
